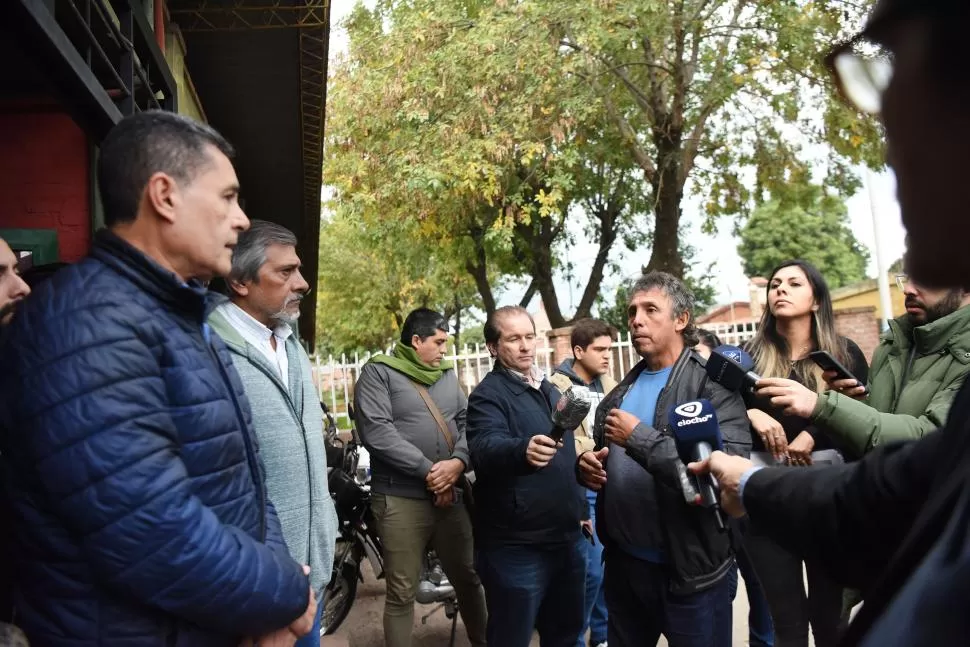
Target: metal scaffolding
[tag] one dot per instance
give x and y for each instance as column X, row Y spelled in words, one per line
column 229, row 15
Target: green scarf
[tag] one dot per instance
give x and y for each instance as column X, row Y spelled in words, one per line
column 405, row 360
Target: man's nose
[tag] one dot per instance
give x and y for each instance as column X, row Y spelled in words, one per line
column 300, row 284
column 20, row 287
column 240, row 220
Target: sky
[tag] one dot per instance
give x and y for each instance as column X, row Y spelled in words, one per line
column 729, row 278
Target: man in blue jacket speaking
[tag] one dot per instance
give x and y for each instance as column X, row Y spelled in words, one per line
column 529, row 552
column 140, row 514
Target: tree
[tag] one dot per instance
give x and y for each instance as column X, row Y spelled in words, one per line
column 493, row 148
column 370, row 278
column 496, row 124
column 728, row 93
column 614, row 311
column 818, row 233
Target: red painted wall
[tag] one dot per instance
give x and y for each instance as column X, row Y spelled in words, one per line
column 44, row 180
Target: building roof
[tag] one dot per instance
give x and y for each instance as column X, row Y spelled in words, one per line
column 720, row 310
column 854, row 289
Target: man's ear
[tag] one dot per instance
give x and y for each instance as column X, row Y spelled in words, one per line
column 162, row 195
column 415, row 340
column 238, row 288
column 681, row 321
column 492, row 350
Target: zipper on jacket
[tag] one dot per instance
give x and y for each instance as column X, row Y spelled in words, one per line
column 250, row 450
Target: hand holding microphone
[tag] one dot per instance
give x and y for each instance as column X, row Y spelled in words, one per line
column 696, row 432
column 732, row 367
column 569, row 413
column 727, row 470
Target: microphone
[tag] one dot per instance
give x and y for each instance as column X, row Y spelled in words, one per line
column 732, row 367
column 697, row 434
column 570, row 411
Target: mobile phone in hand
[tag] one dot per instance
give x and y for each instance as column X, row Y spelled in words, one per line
column 588, row 535
column 826, row 362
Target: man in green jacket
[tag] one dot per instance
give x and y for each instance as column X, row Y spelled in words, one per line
column 917, row 369
column 258, row 324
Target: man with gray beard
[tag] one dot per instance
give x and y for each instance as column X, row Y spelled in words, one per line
column 258, row 324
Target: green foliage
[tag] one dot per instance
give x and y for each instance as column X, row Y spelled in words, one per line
column 698, row 281
column 369, row 279
column 491, row 130
column 814, row 227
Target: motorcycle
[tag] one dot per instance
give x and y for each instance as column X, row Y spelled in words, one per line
column 349, row 482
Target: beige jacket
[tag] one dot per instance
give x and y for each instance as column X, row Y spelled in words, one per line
column 584, row 440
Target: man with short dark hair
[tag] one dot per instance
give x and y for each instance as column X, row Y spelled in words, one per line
column 592, row 344
column 411, row 417
column 258, row 324
column 669, row 570
column 894, row 523
column 126, row 438
column 13, row 289
column 528, row 545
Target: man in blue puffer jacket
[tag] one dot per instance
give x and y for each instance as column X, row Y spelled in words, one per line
column 129, row 459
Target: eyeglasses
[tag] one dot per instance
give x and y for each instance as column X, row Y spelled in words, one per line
column 862, row 70
column 901, row 282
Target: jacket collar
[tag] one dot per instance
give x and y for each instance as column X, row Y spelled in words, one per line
column 567, row 369
column 953, row 329
column 189, row 298
column 237, row 344
column 518, row 387
column 686, row 356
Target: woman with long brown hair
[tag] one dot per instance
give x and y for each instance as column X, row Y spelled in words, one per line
column 798, row 320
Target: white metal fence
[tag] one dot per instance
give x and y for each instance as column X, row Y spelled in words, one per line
column 335, row 376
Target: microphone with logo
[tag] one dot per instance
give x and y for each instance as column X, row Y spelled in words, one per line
column 731, row 367
column 697, row 434
column 570, row 411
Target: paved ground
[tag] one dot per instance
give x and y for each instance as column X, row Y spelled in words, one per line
column 363, row 626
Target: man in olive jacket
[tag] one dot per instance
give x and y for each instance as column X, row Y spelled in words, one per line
column 920, row 364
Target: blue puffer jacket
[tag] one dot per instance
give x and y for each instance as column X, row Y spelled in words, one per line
column 129, row 461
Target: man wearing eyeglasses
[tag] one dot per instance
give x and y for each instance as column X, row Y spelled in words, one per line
column 895, row 524
column 917, row 370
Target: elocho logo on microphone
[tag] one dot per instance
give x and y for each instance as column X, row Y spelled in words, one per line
column 690, row 410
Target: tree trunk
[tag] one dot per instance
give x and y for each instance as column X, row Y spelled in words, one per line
column 529, row 293
column 539, row 235
column 668, row 191
column 607, row 217
column 458, row 307
column 478, row 269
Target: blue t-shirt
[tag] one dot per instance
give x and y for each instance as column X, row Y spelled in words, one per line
column 631, row 509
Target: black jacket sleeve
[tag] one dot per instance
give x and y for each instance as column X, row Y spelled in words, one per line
column 850, row 518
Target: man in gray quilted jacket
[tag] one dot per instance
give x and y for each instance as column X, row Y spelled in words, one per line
column 258, row 324
column 411, row 417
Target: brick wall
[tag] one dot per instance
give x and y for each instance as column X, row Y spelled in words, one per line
column 44, row 181
column 559, row 342
column 861, row 326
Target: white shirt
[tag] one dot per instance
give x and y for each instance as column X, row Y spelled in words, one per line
column 259, row 336
column 594, row 399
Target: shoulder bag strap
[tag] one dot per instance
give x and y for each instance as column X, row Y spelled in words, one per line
column 436, row 414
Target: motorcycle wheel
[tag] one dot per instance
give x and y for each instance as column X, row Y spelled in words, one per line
column 339, row 595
